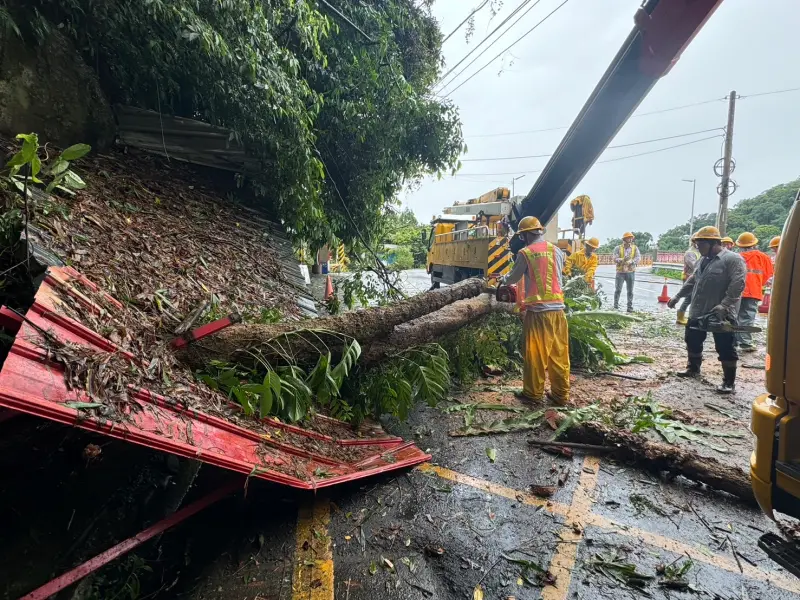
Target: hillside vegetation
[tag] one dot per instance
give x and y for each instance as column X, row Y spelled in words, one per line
column 763, row 215
column 337, row 108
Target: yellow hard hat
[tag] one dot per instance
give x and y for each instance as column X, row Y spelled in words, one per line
column 707, row 233
column 775, row 242
column 592, row 243
column 726, row 240
column 627, row 234
column 746, row 240
column 529, row 224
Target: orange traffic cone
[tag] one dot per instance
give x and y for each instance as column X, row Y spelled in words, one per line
column 664, row 297
column 328, row 288
column 763, row 308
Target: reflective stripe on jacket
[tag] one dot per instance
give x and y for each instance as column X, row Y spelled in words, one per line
column 759, row 272
column 541, row 282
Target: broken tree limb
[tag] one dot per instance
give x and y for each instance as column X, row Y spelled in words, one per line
column 303, row 341
column 660, row 457
column 572, row 445
column 432, row 327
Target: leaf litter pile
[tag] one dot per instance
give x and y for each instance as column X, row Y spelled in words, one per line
column 162, row 237
column 158, row 237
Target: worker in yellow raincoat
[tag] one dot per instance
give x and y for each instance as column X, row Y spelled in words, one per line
column 585, row 261
column 545, row 336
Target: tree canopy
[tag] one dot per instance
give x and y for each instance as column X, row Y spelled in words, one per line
column 338, row 110
column 762, row 215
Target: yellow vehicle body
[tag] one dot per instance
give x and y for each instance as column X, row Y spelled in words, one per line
column 775, row 424
column 473, row 252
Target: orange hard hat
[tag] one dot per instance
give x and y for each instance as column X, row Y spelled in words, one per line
column 707, row 233
column 529, row 224
column 592, row 243
column 775, row 242
column 746, row 240
column 627, row 234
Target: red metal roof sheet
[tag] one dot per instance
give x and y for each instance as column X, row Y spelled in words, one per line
column 271, row 450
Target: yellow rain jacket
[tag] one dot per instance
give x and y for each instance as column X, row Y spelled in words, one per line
column 579, row 260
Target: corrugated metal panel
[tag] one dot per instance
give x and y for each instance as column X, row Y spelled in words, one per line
column 182, row 139
column 271, row 450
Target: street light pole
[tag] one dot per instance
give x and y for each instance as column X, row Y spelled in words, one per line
column 514, row 179
column 691, row 218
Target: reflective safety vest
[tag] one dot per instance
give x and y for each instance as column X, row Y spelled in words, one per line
column 759, row 272
column 541, row 279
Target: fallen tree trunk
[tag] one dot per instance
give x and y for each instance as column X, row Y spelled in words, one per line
column 432, row 327
column 305, row 340
column 658, row 457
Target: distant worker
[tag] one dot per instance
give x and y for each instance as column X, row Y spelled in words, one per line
column 582, row 213
column 690, row 259
column 759, row 272
column 585, row 261
column 545, row 337
column 627, row 258
column 727, row 243
column 716, row 286
column 774, row 244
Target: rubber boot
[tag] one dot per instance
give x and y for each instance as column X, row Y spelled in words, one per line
column 681, row 320
column 692, row 368
column 728, row 385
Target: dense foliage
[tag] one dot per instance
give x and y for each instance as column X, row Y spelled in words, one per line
column 403, row 230
column 340, row 118
column 763, row 215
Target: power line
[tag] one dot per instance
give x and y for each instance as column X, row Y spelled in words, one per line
column 514, row 12
column 797, row 89
column 469, row 16
column 713, row 137
column 514, row 43
column 661, row 139
column 645, row 114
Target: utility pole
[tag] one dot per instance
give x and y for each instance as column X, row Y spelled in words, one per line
column 513, row 181
column 724, row 186
column 691, row 217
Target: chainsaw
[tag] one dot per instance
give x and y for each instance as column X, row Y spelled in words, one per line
column 712, row 323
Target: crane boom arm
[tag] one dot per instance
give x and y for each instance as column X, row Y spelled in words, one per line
column 663, row 28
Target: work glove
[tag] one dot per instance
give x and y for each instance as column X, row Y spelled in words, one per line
column 673, row 302
column 720, row 311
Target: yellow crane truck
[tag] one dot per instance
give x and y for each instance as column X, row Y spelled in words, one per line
column 471, row 239
column 775, row 424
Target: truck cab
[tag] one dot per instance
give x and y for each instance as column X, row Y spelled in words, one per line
column 775, row 424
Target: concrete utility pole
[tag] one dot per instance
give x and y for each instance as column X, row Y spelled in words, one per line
column 724, row 186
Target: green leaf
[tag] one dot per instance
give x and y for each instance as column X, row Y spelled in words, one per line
column 72, row 180
column 492, row 454
column 75, row 152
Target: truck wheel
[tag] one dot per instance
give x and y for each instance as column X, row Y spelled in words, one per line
column 434, row 284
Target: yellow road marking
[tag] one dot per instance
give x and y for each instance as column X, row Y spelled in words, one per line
column 721, row 562
column 313, row 557
column 493, row 488
column 572, row 533
column 582, row 502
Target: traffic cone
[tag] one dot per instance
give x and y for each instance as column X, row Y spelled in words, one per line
column 328, row 288
column 664, row 297
column 763, row 308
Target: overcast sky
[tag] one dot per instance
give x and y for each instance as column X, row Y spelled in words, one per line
column 747, row 45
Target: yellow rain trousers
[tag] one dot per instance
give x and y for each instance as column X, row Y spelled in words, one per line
column 546, row 349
